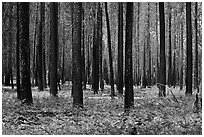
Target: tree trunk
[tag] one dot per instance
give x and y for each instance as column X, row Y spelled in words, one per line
column 162, row 83
column 25, row 51
column 19, row 96
column 100, row 36
column 149, row 48
column 196, row 47
column 173, row 71
column 138, row 47
column 63, row 50
column 88, row 64
column 34, row 54
column 83, row 52
column 8, row 49
column 110, row 52
column 144, row 80
column 189, row 50
column 10, row 63
column 105, row 70
column 76, row 56
column 157, row 41
column 120, row 48
column 129, row 96
column 40, row 54
column 95, row 66
column 181, row 68
column 43, row 44
column 72, row 22
column 170, row 56
column 53, row 47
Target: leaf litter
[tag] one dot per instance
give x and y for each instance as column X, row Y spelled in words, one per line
column 100, row 114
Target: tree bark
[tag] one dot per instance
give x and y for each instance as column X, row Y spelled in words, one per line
column 95, row 66
column 196, row 47
column 40, row 54
column 138, row 47
column 8, row 61
column 120, row 48
column 43, row 44
column 149, row 48
column 170, row 56
column 34, row 51
column 11, row 47
column 181, row 69
column 63, row 50
column 25, row 52
column 162, row 83
column 19, row 96
column 110, row 52
column 88, row 64
column 173, row 71
column 189, row 50
column 129, row 96
column 76, row 56
column 83, row 52
column 53, row 47
column 144, row 79
column 100, row 37
column 157, row 39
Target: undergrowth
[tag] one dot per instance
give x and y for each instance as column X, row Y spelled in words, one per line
column 100, row 114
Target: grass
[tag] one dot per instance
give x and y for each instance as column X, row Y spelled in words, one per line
column 100, row 114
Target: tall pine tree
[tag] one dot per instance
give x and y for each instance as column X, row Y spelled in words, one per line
column 110, row 52
column 162, row 74
column 120, row 48
column 129, row 97
column 53, row 47
column 25, row 52
column 189, row 50
column 76, row 56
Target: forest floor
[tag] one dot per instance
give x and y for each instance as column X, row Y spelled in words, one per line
column 101, row 114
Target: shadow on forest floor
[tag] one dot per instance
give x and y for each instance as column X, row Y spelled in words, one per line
column 100, row 114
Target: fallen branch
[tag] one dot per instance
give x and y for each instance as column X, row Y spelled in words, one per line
column 174, row 96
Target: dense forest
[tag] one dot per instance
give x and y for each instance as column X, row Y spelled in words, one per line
column 75, row 61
